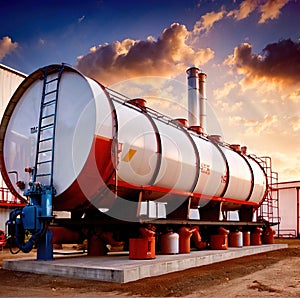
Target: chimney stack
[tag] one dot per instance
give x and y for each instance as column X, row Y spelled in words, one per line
column 193, row 96
column 202, row 98
column 196, row 98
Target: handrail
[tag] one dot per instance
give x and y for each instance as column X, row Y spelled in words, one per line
column 8, row 199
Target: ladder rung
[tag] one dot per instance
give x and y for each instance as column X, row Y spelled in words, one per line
column 49, row 99
column 45, row 140
column 48, row 103
column 53, row 80
column 42, row 162
column 47, row 126
column 48, row 116
column 50, row 92
column 44, row 151
column 43, row 175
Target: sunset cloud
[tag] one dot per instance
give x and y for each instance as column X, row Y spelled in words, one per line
column 208, row 20
column 170, row 54
column 271, row 10
column 268, row 9
column 6, row 46
column 294, row 123
column 224, row 91
column 228, row 107
column 246, row 7
column 294, row 96
column 173, row 51
column 255, row 126
column 279, row 63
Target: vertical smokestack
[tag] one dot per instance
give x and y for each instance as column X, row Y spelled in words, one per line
column 202, row 98
column 193, row 96
column 196, row 98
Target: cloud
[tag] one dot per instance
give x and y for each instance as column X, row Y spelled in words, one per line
column 267, row 124
column 161, row 92
column 294, row 96
column 228, row 107
column 246, row 7
column 278, row 64
column 256, row 127
column 223, row 92
column 170, row 54
column 173, row 50
column 294, row 123
column 271, row 10
column 268, row 9
column 287, row 162
column 7, row 46
column 208, row 20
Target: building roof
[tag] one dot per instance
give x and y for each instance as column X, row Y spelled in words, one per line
column 2, row 66
column 288, row 184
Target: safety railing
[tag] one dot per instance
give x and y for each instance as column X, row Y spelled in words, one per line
column 7, row 199
column 269, row 208
column 287, row 233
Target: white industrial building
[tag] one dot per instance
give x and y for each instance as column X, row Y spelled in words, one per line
column 289, row 208
column 10, row 79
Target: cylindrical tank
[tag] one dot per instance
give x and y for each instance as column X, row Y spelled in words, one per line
column 104, row 142
column 219, row 241
column 144, row 247
column 246, row 238
column 85, row 126
column 141, row 248
column 169, row 243
column 255, row 236
column 185, row 235
column 236, row 239
column 267, row 236
column 197, row 239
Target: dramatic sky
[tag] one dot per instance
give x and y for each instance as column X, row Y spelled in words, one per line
column 249, row 49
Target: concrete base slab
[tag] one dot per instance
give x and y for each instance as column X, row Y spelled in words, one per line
column 120, row 269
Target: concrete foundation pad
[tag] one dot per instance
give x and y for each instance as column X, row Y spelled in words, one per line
column 120, row 269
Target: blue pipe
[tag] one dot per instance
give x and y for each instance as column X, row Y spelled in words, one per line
column 19, row 232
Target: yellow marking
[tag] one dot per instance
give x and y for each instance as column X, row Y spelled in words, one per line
column 129, row 155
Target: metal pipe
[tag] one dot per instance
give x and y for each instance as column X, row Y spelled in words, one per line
column 193, row 96
column 202, row 101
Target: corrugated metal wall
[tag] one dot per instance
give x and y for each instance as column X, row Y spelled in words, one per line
column 10, row 79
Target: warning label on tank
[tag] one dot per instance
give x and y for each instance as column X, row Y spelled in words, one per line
column 129, row 155
column 205, row 168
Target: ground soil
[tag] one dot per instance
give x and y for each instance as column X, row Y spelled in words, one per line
column 269, row 274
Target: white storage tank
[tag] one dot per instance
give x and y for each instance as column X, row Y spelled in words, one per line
column 105, row 142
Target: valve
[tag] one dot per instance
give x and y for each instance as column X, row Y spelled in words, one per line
column 29, row 170
column 21, row 185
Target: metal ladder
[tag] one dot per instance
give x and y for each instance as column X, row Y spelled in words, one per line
column 44, row 160
column 269, row 209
